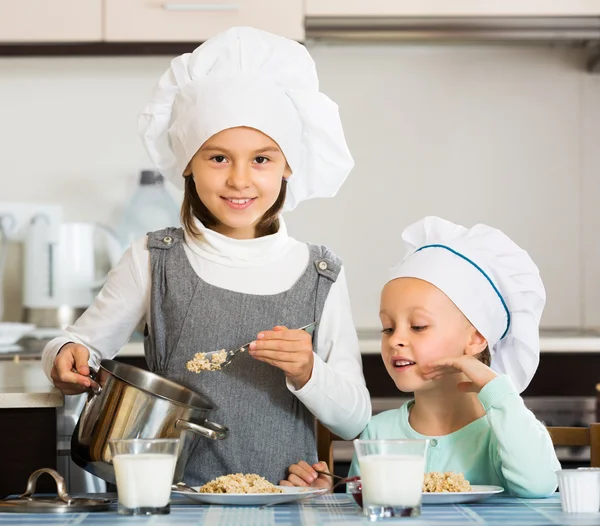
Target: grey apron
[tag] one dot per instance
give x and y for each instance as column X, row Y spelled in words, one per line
column 269, row 428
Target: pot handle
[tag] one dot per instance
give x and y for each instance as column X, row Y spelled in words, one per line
column 93, row 375
column 212, row 430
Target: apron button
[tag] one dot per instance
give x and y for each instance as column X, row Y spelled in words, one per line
column 433, row 442
column 323, row 265
column 167, row 240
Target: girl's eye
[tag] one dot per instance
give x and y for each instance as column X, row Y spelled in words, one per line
column 418, row 328
column 387, row 331
column 261, row 160
column 218, row 158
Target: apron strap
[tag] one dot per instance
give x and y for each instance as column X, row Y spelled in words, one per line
column 328, row 267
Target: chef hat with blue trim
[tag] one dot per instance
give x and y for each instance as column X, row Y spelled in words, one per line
column 248, row 77
column 493, row 281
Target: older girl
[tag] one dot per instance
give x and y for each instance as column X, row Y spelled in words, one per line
column 241, row 126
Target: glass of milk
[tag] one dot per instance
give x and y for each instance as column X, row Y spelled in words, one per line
column 392, row 473
column 144, row 470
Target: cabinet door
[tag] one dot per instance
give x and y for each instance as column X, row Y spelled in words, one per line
column 452, row 7
column 50, row 20
column 196, row 21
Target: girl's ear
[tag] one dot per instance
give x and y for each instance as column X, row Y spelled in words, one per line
column 476, row 343
column 287, row 172
column 188, row 170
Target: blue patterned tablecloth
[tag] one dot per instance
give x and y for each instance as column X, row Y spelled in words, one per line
column 330, row 510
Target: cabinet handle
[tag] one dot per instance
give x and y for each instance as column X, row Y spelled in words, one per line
column 171, row 6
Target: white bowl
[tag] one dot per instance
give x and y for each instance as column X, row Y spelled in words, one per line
column 579, row 490
column 11, row 333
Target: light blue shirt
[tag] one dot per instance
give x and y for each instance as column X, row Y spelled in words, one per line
column 507, row 447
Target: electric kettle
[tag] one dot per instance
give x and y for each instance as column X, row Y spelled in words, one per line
column 63, row 273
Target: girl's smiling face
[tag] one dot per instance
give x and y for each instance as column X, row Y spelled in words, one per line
column 420, row 324
column 238, row 174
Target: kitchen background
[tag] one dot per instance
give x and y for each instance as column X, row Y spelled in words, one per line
column 505, row 134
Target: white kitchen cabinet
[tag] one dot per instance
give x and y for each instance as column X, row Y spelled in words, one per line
column 50, row 21
column 340, row 8
column 195, row 21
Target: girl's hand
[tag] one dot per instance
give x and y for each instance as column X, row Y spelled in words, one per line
column 477, row 372
column 70, row 372
column 289, row 350
column 301, row 474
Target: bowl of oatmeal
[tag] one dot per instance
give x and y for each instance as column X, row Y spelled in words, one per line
column 433, row 482
column 239, row 483
column 239, row 489
column 448, row 482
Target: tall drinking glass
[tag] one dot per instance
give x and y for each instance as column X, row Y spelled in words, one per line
column 392, row 473
column 144, row 470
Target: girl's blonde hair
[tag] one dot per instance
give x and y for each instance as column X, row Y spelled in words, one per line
column 193, row 208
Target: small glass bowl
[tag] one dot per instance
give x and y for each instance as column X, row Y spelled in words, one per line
column 354, row 487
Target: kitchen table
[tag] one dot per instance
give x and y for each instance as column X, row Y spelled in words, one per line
column 331, row 510
column 28, row 409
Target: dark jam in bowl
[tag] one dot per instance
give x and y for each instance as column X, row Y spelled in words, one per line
column 355, row 489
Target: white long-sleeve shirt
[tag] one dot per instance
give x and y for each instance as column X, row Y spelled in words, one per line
column 336, row 393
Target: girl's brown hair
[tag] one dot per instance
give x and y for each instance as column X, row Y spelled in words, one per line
column 193, row 208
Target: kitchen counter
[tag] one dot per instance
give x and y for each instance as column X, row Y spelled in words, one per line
column 551, row 341
column 23, row 384
column 30, row 396
column 570, row 359
column 28, row 416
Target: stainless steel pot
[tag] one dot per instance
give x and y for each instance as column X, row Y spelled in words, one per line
column 134, row 403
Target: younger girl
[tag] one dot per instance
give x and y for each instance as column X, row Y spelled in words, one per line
column 460, row 299
column 240, row 124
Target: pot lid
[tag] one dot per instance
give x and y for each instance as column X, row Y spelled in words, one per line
column 62, row 503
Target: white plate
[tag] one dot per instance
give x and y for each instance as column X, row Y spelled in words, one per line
column 476, row 493
column 290, row 494
column 11, row 333
column 4, row 349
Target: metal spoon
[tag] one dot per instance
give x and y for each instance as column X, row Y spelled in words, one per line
column 340, row 480
column 329, row 474
column 230, row 354
column 183, row 487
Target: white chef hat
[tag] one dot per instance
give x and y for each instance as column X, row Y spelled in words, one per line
column 248, row 77
column 494, row 282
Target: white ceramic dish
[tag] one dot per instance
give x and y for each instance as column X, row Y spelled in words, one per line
column 477, row 493
column 5, row 349
column 290, row 494
column 11, row 333
column 579, row 490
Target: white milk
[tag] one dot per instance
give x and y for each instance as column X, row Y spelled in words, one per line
column 392, row 480
column 144, row 480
